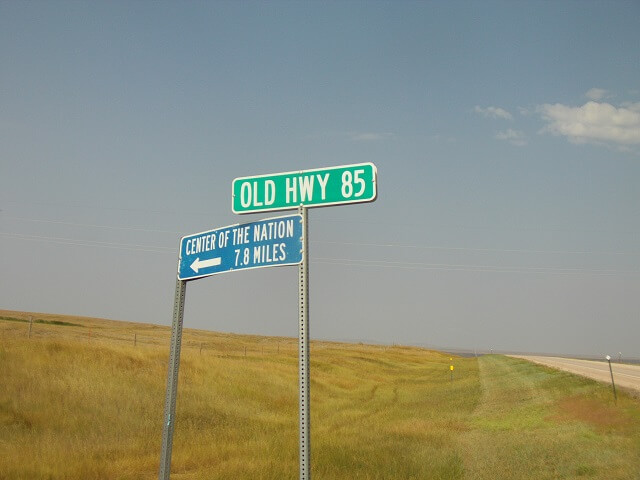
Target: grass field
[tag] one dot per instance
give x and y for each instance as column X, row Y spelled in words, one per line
column 83, row 399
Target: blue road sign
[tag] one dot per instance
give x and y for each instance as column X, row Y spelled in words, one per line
column 265, row 243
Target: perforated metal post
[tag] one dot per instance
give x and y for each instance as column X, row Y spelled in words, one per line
column 172, row 381
column 303, row 350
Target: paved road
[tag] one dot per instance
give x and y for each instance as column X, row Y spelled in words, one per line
column 625, row 376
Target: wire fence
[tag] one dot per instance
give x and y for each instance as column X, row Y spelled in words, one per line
column 146, row 336
column 124, row 334
column 134, row 335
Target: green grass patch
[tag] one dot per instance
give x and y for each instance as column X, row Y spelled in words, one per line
column 536, row 422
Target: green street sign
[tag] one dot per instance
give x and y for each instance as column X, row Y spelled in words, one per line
column 313, row 188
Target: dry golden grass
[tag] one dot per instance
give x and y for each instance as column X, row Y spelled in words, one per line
column 81, row 401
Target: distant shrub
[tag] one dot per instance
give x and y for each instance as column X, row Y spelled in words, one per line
column 46, row 322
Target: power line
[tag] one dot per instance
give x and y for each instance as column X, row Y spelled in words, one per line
column 89, row 225
column 358, row 244
column 485, row 250
column 343, row 261
column 470, row 268
column 512, row 228
column 95, row 207
column 90, row 243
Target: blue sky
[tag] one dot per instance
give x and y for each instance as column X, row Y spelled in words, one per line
column 506, row 137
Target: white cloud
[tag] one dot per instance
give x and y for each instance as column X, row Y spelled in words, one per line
column 514, row 137
column 525, row 112
column 370, row 136
column 596, row 94
column 493, row 112
column 593, row 122
column 634, row 107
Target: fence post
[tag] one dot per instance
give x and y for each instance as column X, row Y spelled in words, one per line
column 613, row 384
column 30, row 325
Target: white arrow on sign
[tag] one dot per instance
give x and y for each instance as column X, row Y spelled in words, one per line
column 198, row 264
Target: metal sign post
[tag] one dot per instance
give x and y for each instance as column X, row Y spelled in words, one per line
column 303, row 349
column 172, row 381
column 266, row 243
